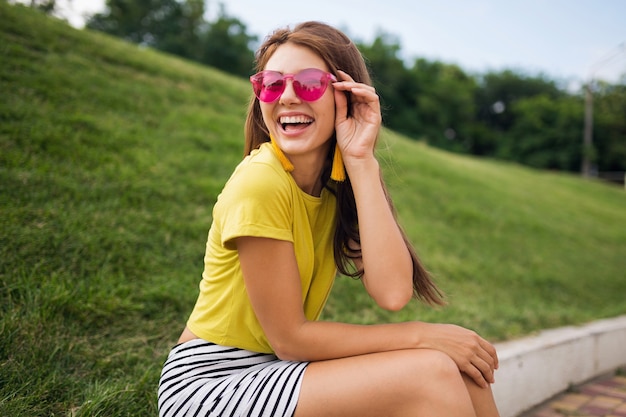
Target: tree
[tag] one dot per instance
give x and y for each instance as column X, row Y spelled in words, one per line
column 46, row 6
column 167, row 25
column 393, row 82
column 444, row 104
column 138, row 21
column 610, row 126
column 546, row 133
column 185, row 38
column 431, row 99
column 226, row 45
column 498, row 91
column 178, row 27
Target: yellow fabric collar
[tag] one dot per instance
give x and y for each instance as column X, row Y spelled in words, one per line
column 337, row 172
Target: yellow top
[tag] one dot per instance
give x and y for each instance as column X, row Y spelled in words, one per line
column 261, row 199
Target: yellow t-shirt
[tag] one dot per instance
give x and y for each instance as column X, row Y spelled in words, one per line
column 261, row 199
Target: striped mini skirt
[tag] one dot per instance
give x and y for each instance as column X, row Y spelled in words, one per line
column 202, row 379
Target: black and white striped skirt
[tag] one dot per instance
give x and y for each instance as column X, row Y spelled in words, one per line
column 203, row 379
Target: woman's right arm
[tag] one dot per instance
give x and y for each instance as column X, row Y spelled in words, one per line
column 273, row 285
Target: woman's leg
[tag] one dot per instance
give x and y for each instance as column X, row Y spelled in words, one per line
column 482, row 399
column 413, row 383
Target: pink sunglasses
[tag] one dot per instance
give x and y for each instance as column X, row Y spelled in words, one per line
column 309, row 84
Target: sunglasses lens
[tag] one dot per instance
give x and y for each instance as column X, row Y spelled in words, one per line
column 310, row 84
column 268, row 85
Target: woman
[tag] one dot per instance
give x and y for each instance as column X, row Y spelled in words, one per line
column 307, row 200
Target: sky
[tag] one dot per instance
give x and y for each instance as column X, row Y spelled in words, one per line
column 570, row 41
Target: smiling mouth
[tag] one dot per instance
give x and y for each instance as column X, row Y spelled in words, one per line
column 295, row 122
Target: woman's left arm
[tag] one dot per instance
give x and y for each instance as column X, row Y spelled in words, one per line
column 386, row 259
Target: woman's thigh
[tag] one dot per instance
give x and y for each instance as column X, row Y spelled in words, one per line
column 390, row 384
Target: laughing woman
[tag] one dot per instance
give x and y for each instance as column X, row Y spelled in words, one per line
column 308, row 201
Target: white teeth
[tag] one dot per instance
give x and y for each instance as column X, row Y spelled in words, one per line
column 295, row 119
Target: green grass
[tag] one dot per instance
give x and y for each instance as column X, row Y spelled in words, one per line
column 111, row 157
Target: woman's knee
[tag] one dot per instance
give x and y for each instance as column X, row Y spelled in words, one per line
column 432, row 381
column 435, row 365
column 423, row 373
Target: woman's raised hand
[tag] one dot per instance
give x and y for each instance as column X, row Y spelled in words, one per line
column 357, row 128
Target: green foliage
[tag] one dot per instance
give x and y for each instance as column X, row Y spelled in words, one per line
column 226, row 45
column 111, row 157
column 546, row 133
column 179, row 28
column 397, row 89
column 508, row 115
column 500, row 90
column 46, row 6
column 610, row 126
column 152, row 23
column 445, row 104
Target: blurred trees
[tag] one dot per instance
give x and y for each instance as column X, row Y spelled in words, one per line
column 506, row 114
column 179, row 27
column 445, row 104
column 610, row 126
column 226, row 45
column 46, row 6
column 393, row 83
column 545, row 133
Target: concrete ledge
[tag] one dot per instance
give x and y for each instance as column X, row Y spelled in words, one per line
column 534, row 369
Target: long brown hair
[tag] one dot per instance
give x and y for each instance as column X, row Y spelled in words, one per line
column 338, row 52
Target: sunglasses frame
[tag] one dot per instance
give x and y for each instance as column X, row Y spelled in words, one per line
column 260, row 88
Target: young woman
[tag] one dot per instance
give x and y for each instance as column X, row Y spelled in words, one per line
column 306, row 201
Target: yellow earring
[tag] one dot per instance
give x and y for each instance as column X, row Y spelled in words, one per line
column 338, row 171
column 286, row 163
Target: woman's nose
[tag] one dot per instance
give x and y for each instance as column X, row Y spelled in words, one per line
column 289, row 96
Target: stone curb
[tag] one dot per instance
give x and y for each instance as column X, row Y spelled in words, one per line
column 536, row 368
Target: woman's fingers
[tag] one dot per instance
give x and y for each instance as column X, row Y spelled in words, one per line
column 474, row 356
column 362, row 92
column 485, row 369
column 476, row 374
column 356, row 127
column 477, row 368
column 489, row 353
column 484, row 357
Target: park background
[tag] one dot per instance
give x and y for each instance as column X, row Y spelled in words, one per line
column 112, row 152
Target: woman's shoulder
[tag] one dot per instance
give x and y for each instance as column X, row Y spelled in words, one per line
column 260, row 173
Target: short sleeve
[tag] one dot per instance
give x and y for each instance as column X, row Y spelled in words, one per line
column 256, row 201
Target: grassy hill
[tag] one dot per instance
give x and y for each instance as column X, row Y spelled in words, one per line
column 111, row 157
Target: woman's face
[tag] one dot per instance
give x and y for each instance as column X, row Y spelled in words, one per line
column 302, row 129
